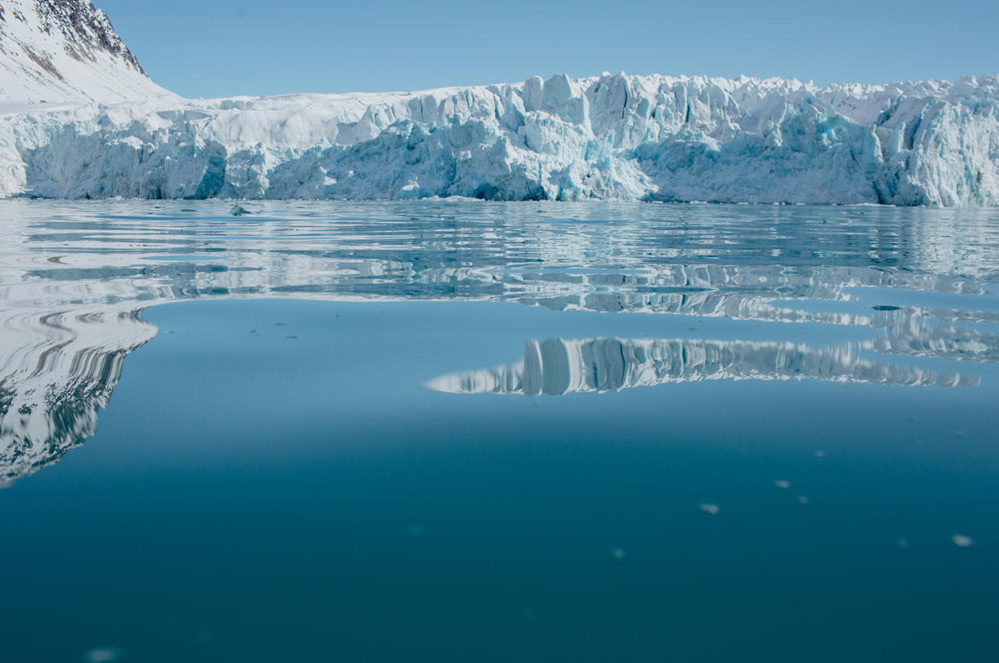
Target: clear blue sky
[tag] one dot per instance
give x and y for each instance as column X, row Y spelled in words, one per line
column 228, row 47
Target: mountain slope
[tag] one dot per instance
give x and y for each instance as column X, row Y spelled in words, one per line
column 66, row 50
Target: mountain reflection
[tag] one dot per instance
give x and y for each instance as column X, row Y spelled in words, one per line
column 559, row 366
column 58, row 369
column 74, row 278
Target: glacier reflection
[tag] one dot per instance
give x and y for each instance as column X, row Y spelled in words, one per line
column 75, row 277
column 559, row 366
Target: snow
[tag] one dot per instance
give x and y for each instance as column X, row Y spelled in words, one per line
column 114, row 133
column 54, row 51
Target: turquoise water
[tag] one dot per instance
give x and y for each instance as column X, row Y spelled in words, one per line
column 462, row 432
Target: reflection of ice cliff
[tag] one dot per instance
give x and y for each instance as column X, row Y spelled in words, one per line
column 564, row 366
column 58, row 369
column 73, row 278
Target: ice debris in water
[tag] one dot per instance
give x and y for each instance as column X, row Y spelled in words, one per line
column 820, row 454
column 102, row 655
column 783, row 484
column 710, row 509
column 617, row 553
column 962, row 541
column 803, row 499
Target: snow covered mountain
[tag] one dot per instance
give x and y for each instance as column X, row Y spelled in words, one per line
column 66, row 50
column 608, row 137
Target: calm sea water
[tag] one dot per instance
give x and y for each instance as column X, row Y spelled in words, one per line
column 486, row 432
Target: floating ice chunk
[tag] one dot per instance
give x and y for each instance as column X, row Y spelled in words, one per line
column 803, row 500
column 710, row 509
column 783, row 484
column 820, row 454
column 618, row 553
column 962, row 541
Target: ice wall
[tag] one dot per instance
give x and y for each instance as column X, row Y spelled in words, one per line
column 609, row 137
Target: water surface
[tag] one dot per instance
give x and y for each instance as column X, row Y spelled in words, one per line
column 460, row 431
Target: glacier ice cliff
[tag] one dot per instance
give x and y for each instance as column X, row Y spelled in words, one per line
column 79, row 118
column 612, row 137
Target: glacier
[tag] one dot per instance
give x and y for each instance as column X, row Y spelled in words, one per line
column 89, row 123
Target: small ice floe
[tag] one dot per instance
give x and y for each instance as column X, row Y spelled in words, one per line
column 617, row 553
column 820, row 454
column 803, row 500
column 710, row 509
column 102, row 655
column 961, row 541
column 783, row 485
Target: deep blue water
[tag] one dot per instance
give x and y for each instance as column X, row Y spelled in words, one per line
column 476, row 432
